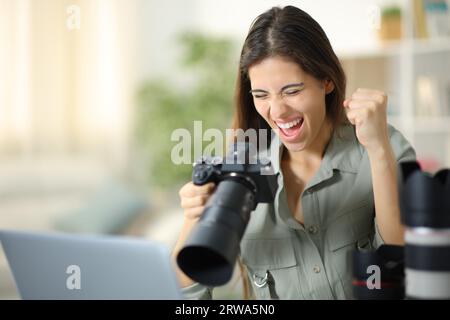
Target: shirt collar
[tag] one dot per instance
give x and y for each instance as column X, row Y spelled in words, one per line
column 343, row 152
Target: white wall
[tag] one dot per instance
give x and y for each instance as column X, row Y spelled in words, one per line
column 348, row 24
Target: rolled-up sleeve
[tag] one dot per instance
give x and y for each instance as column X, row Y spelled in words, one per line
column 197, row 291
column 403, row 150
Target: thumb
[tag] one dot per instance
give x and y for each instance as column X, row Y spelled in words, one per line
column 351, row 116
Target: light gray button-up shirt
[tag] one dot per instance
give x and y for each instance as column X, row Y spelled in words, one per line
column 288, row 260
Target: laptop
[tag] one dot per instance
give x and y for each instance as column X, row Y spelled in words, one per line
column 68, row 266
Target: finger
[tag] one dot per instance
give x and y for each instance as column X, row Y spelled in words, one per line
column 193, row 202
column 357, row 116
column 359, row 104
column 191, row 190
column 350, row 116
column 380, row 98
column 194, row 213
column 369, row 91
column 352, row 119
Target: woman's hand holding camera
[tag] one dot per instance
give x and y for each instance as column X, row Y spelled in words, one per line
column 193, row 199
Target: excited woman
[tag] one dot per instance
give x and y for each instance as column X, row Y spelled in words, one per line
column 336, row 161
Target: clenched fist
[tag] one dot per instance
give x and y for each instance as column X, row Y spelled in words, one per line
column 366, row 110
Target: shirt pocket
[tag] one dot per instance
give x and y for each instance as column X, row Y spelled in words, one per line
column 272, row 267
column 351, row 225
column 352, row 229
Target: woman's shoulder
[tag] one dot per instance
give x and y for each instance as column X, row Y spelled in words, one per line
column 402, row 148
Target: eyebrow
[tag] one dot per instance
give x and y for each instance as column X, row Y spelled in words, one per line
column 300, row 84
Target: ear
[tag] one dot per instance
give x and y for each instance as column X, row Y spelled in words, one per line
column 328, row 85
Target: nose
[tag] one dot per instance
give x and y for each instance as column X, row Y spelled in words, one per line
column 278, row 108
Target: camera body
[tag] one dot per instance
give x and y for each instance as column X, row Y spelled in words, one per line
column 389, row 284
column 243, row 180
column 259, row 177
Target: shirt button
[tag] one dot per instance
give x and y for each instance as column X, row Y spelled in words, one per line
column 312, row 229
column 316, row 269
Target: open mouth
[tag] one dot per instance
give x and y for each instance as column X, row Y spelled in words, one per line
column 292, row 128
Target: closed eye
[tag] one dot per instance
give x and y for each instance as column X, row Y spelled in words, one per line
column 292, row 92
column 260, row 96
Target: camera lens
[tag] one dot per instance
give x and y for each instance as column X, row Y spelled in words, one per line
column 425, row 209
column 210, row 253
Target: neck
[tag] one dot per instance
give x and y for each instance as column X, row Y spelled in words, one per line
column 313, row 154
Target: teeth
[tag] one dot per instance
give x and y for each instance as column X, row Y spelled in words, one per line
column 289, row 124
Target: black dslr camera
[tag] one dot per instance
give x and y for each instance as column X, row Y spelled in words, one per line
column 239, row 166
column 243, row 181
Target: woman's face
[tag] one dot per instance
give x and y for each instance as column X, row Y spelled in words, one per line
column 290, row 100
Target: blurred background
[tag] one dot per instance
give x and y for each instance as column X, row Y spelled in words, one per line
column 91, row 90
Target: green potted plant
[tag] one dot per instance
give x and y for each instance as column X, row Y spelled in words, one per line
column 391, row 23
column 162, row 108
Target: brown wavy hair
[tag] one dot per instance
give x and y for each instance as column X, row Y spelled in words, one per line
column 293, row 34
